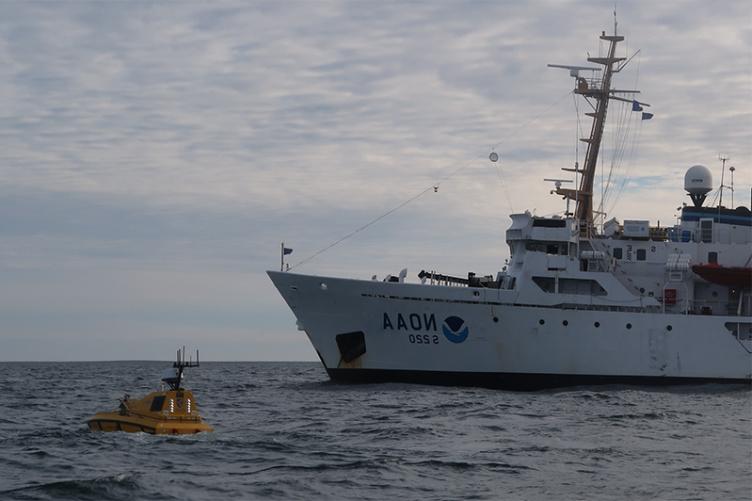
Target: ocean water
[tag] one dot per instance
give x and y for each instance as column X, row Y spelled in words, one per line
column 284, row 431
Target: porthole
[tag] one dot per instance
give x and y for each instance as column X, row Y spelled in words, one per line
column 669, row 328
column 565, row 323
column 496, row 319
column 629, row 326
column 541, row 321
column 323, row 286
column 597, row 324
column 476, row 293
column 642, row 290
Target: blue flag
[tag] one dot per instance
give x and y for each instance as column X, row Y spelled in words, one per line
column 647, row 116
column 286, row 251
column 636, row 106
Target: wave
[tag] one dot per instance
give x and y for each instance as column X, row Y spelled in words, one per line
column 122, row 486
column 470, row 465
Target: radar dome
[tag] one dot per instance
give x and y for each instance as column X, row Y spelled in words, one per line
column 698, row 181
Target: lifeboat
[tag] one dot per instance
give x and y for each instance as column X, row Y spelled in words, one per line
column 725, row 275
column 170, row 411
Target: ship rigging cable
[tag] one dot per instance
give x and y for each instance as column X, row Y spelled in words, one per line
column 629, row 163
column 577, row 136
column 616, row 187
column 621, row 133
column 434, row 186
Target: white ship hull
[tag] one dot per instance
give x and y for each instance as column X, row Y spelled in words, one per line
column 496, row 343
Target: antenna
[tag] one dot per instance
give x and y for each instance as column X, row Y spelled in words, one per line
column 723, row 159
column 574, row 71
column 557, row 182
column 175, row 379
column 557, row 186
column 732, row 169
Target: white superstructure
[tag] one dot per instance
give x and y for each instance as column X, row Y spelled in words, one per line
column 630, row 303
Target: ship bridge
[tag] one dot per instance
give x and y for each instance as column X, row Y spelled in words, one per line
column 528, row 227
column 555, row 237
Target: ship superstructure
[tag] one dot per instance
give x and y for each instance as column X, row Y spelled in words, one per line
column 578, row 303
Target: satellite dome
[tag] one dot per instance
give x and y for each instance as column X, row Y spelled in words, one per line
column 698, row 181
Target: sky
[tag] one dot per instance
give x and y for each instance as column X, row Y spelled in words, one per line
column 153, row 155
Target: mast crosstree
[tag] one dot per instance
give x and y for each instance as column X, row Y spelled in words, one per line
column 598, row 92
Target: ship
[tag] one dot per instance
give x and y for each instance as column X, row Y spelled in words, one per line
column 581, row 301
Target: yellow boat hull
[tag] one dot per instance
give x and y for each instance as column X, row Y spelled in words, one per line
column 112, row 421
column 159, row 413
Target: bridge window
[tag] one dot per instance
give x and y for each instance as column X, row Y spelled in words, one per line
column 617, row 252
column 570, row 286
column 713, row 257
column 706, row 230
column 549, row 223
column 560, row 248
column 641, row 254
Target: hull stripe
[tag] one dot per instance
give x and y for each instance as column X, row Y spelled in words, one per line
column 513, row 381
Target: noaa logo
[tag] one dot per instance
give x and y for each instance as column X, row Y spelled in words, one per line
column 454, row 329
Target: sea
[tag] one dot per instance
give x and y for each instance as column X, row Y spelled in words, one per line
column 285, row 431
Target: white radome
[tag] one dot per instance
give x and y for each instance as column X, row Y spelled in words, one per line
column 698, row 180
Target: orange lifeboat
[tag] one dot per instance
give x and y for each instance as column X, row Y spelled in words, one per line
column 738, row 276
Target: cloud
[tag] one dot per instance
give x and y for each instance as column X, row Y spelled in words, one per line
column 147, row 141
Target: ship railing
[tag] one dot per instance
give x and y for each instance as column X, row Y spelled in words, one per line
column 617, row 308
column 659, row 234
column 449, row 281
column 441, row 279
column 740, row 330
column 713, row 307
column 588, row 85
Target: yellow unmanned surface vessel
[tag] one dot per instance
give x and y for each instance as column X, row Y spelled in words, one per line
column 171, row 411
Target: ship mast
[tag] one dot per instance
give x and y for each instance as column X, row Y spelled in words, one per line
column 598, row 93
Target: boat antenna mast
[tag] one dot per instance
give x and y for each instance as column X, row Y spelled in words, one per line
column 597, row 92
column 179, row 365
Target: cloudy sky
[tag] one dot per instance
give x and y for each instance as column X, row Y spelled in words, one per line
column 154, row 155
